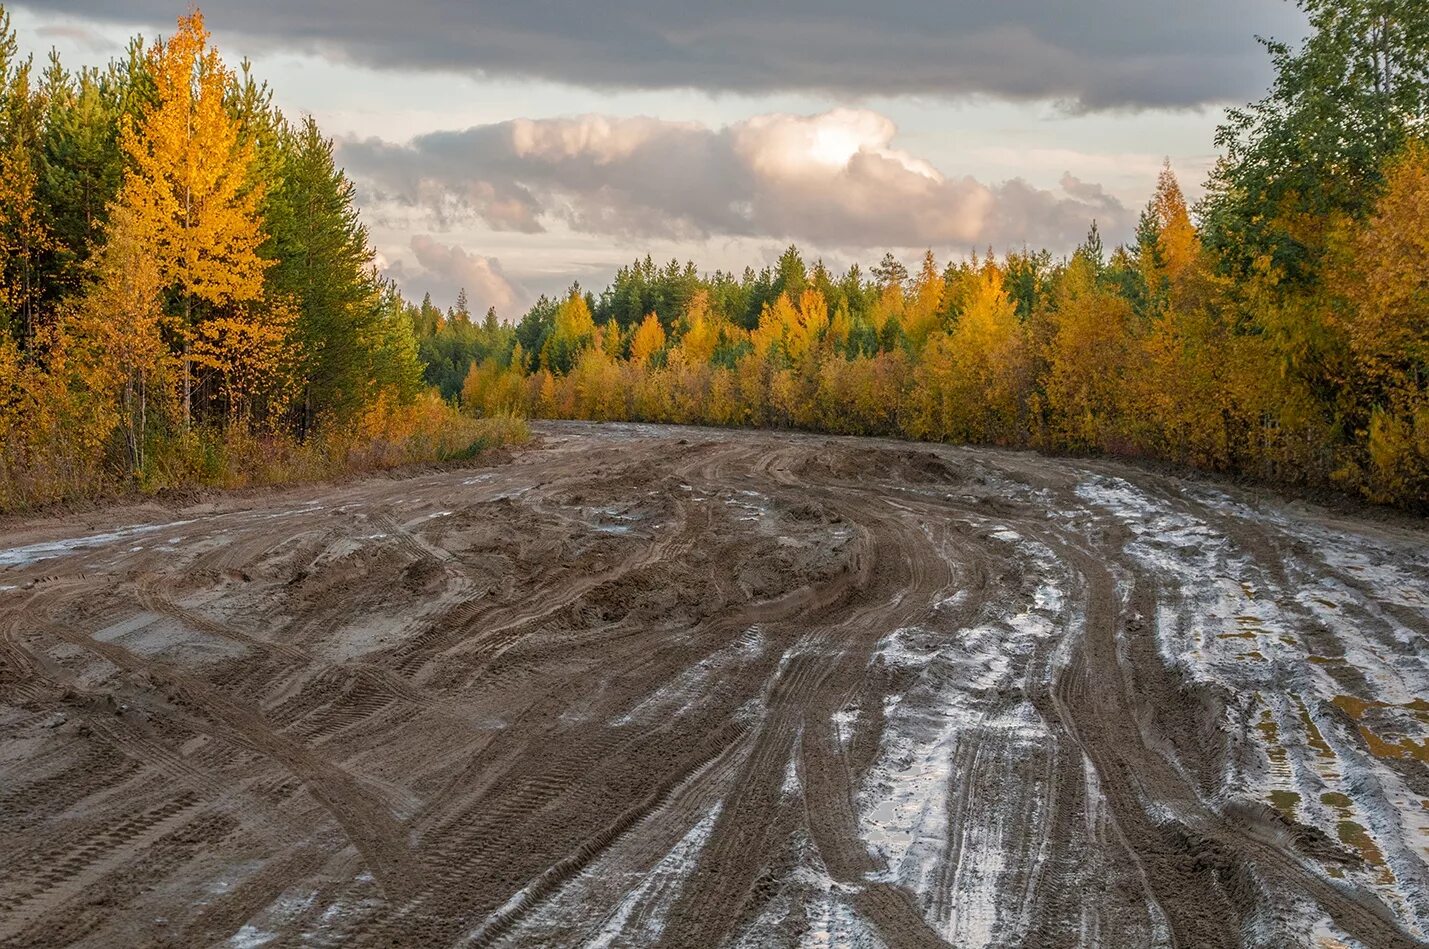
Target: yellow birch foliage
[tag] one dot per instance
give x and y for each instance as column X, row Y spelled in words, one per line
column 793, row 328
column 812, row 326
column 702, row 332
column 1387, row 281
column 546, row 394
column 611, row 340
column 493, row 389
column 888, row 305
column 573, row 331
column 985, row 363
column 188, row 189
column 1386, row 327
column 649, row 398
column 1178, row 242
column 771, row 336
column 1178, row 401
column 1087, row 362
column 687, row 392
column 117, row 334
column 253, row 354
column 921, row 315
column 721, row 409
column 52, row 433
column 649, row 340
column 600, row 387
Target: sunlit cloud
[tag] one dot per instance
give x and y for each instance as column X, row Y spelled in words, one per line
column 446, row 268
column 835, row 179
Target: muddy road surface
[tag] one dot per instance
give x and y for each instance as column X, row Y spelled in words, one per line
column 680, row 687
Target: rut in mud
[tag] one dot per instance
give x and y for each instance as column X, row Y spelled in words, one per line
column 650, row 686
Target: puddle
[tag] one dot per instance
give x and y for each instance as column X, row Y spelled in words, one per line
column 53, row 549
column 610, row 520
column 844, row 720
column 1353, row 834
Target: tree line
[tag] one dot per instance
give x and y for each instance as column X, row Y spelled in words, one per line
column 187, row 294
column 1280, row 333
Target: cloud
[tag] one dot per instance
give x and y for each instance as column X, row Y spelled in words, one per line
column 443, row 269
column 80, row 36
column 835, row 180
column 1090, row 54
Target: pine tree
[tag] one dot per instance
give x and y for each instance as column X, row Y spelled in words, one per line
column 890, row 272
column 322, row 261
column 1092, row 251
column 81, row 169
column 396, row 363
column 24, row 236
column 791, row 274
column 426, row 318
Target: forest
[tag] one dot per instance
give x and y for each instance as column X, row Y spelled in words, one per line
column 187, row 295
column 1279, row 331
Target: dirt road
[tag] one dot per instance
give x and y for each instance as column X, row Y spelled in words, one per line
column 651, row 686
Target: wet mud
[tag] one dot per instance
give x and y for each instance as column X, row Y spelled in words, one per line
column 682, row 687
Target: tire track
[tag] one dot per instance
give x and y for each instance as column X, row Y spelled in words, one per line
column 643, row 685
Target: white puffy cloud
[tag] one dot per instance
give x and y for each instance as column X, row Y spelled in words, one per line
column 443, row 269
column 834, row 179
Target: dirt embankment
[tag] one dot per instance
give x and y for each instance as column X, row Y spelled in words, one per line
column 650, row 686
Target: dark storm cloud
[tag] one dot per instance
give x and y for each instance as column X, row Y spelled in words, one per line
column 834, row 180
column 80, row 36
column 1088, row 54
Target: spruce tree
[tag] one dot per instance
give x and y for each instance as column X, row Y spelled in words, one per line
column 80, row 173
column 322, row 259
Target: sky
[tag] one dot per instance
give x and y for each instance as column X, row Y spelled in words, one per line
column 513, row 148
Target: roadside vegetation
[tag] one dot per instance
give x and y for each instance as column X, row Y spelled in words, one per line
column 187, row 296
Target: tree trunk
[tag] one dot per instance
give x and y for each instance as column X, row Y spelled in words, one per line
column 129, row 420
column 143, row 417
column 188, row 376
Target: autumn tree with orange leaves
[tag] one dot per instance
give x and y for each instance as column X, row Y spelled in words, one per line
column 186, row 293
column 192, row 201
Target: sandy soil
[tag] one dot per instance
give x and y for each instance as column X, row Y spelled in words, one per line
column 652, row 686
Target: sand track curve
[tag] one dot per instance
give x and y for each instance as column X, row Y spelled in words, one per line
column 640, row 685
